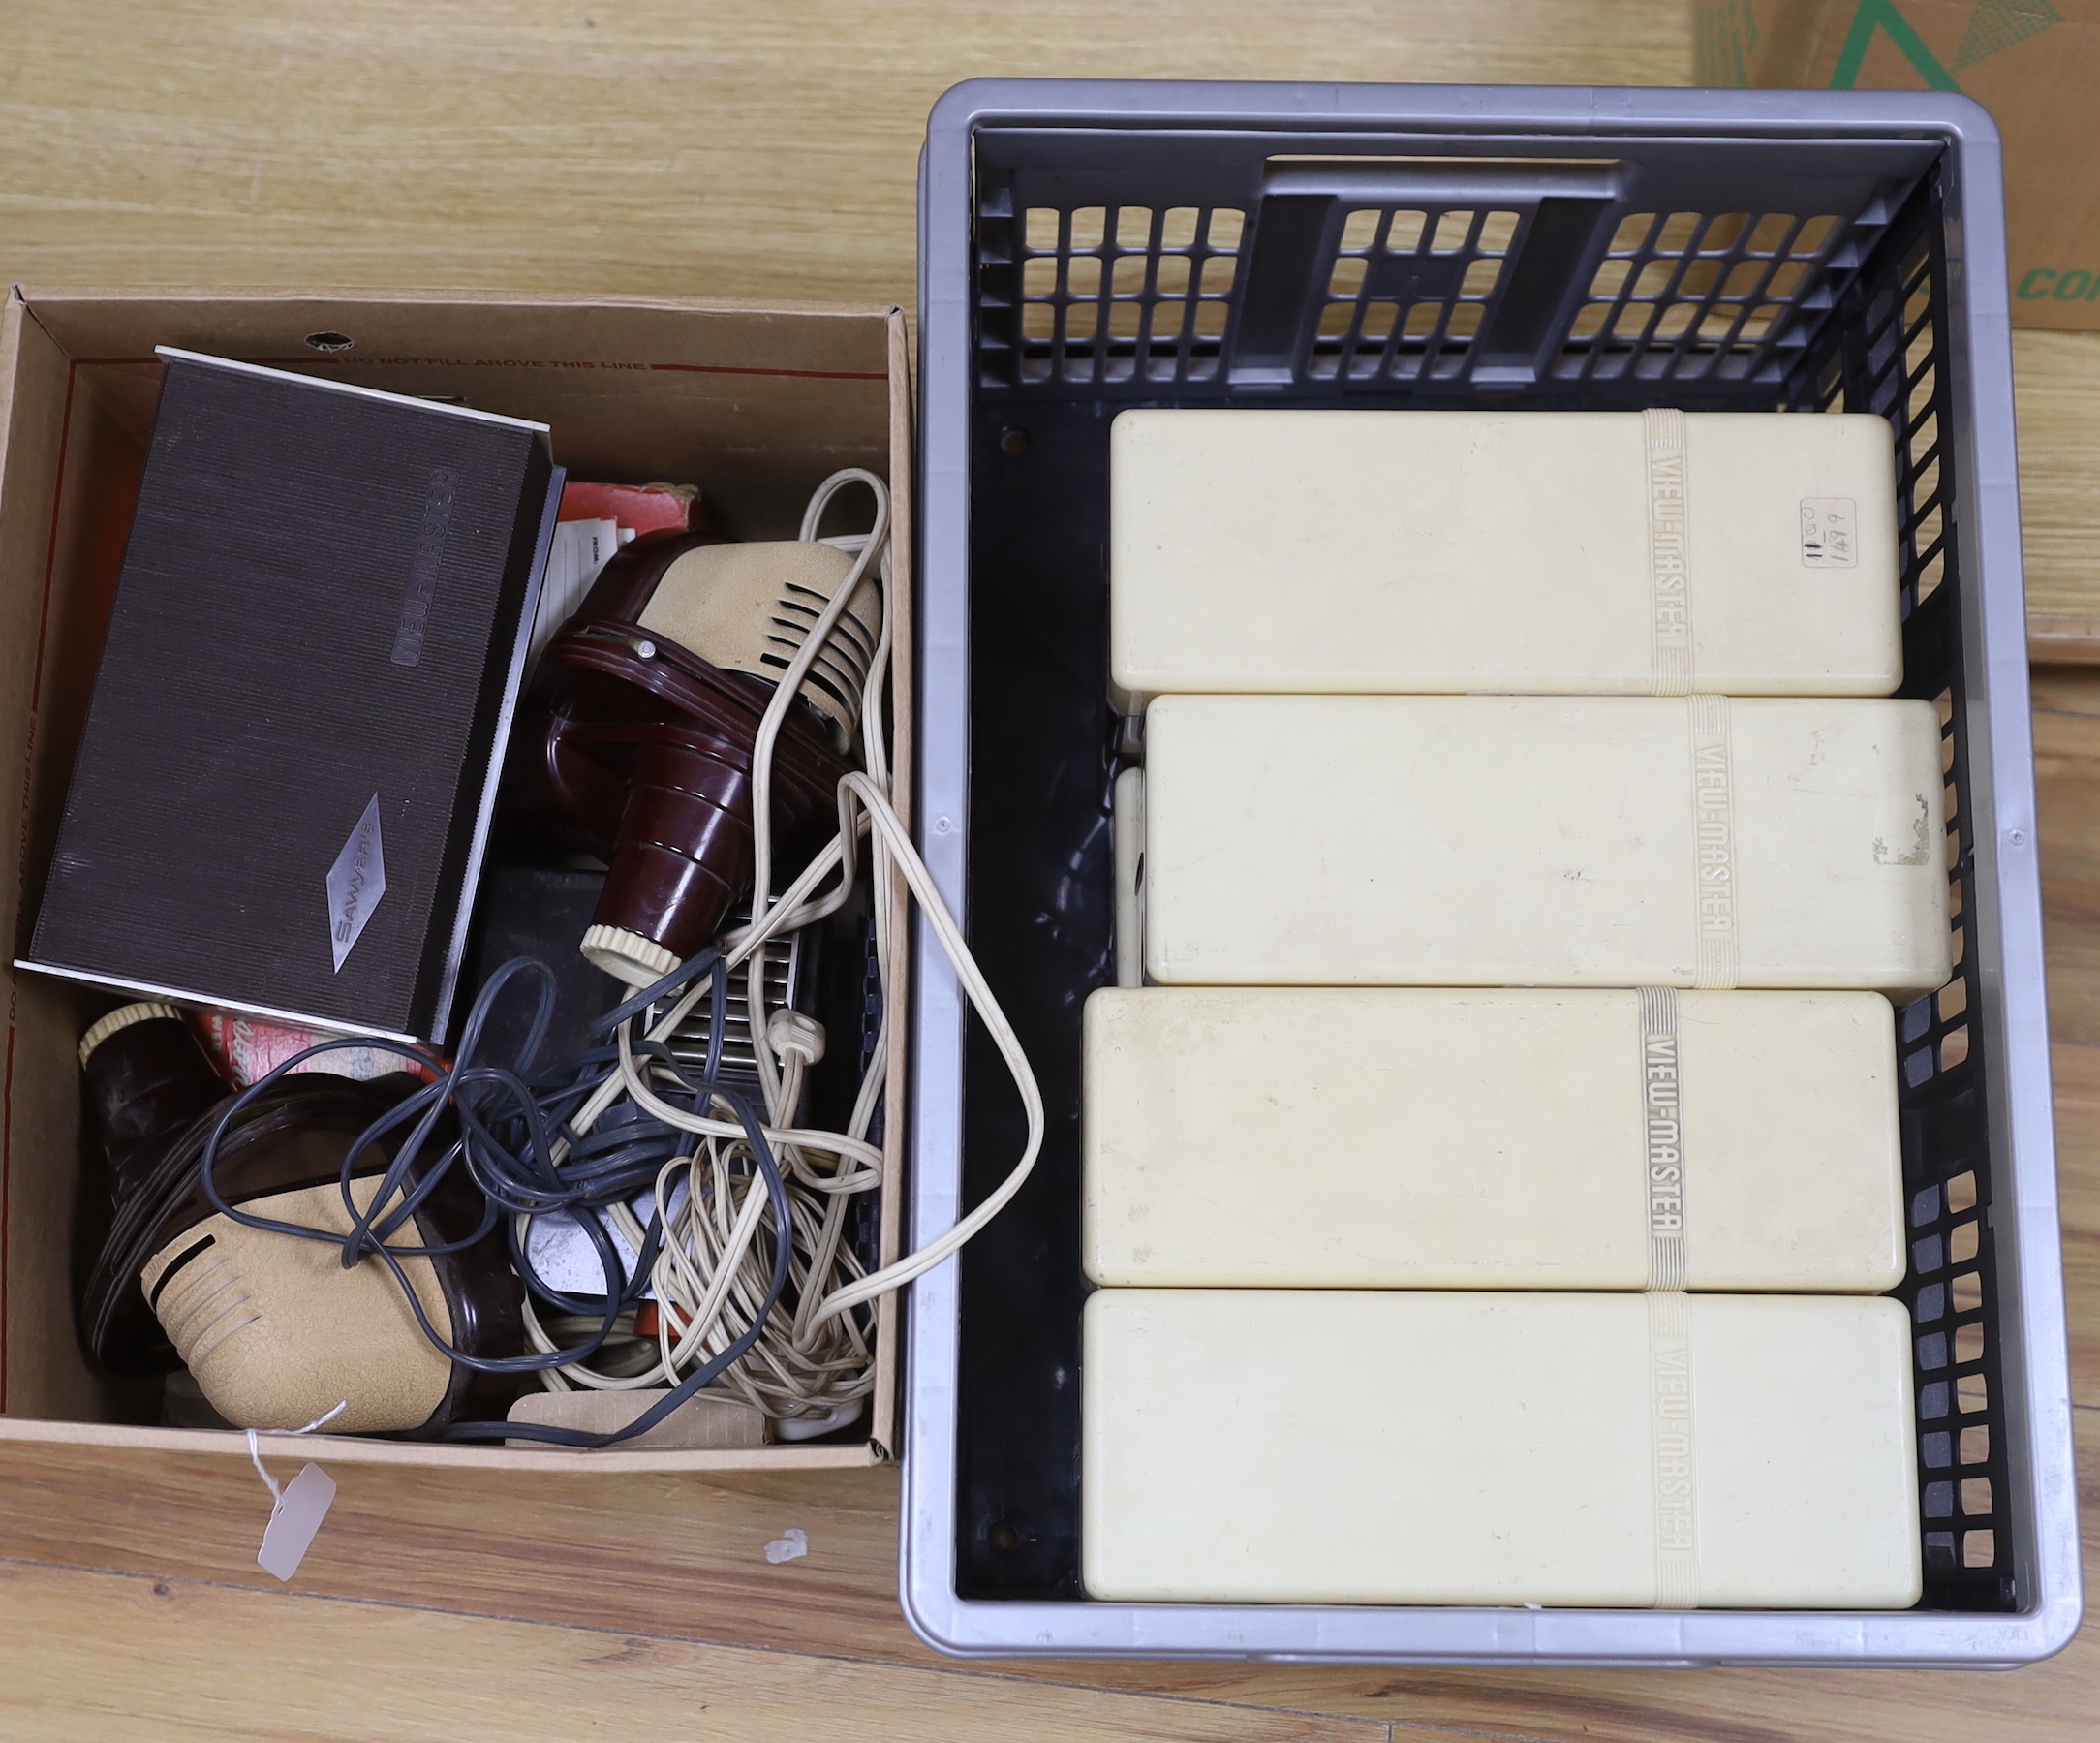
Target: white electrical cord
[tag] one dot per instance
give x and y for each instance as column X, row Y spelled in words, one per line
column 712, row 1272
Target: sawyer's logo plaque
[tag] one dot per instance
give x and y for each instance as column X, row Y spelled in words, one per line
column 356, row 883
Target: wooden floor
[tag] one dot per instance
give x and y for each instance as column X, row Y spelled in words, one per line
column 738, row 148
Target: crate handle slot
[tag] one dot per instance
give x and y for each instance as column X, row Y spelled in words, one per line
column 1562, row 209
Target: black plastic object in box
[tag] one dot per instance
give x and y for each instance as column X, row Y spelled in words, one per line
column 284, row 784
column 540, row 912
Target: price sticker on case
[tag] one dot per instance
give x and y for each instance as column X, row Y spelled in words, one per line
column 1829, row 532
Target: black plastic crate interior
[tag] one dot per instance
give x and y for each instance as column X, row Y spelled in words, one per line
column 1369, row 271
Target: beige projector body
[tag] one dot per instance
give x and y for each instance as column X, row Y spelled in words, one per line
column 1579, row 552
column 1411, row 1446
column 1488, row 841
column 1385, row 1137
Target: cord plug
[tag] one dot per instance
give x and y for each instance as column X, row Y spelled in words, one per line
column 792, row 1035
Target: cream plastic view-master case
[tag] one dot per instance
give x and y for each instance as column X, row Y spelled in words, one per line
column 1489, row 841
column 1415, row 1447
column 1554, row 552
column 1370, row 1137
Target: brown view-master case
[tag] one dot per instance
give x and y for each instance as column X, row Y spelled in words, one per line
column 282, row 789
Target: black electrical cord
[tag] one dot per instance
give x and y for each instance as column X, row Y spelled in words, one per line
column 509, row 1119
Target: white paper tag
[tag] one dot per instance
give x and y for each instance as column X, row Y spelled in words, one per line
column 294, row 1521
column 1829, row 532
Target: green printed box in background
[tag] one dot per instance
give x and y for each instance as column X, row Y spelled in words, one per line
column 2035, row 64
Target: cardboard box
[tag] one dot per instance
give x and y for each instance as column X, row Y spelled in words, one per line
column 2035, row 64
column 757, row 403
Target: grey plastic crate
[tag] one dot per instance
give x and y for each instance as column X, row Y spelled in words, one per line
column 1089, row 246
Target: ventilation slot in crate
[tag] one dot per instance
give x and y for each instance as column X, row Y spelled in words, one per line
column 1517, row 275
column 1885, row 355
column 1409, row 292
column 1126, row 294
column 1681, row 296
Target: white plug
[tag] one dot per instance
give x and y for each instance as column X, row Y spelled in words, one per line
column 793, row 1035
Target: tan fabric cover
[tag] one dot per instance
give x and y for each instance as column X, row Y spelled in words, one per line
column 747, row 607
column 277, row 1333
